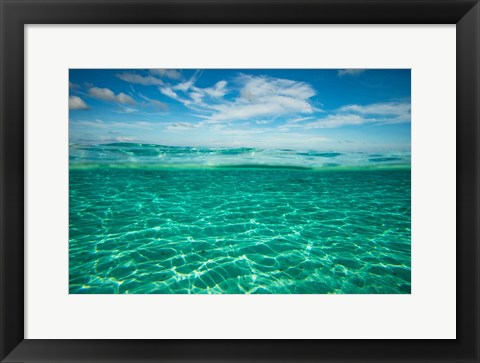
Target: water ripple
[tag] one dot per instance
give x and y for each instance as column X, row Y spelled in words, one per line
column 239, row 231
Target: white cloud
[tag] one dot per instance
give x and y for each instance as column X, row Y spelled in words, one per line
column 159, row 105
column 295, row 123
column 197, row 97
column 124, row 109
column 266, row 138
column 299, row 119
column 265, row 97
column 238, row 132
column 194, row 97
column 106, row 94
column 401, row 109
column 154, row 103
column 377, row 113
column 168, row 73
column 99, row 124
column 256, row 88
column 76, row 103
column 87, row 123
column 332, row 121
column 73, row 85
column 180, row 126
column 139, row 79
column 258, row 96
column 217, row 91
column 350, row 72
column 237, row 111
column 185, row 86
column 168, row 92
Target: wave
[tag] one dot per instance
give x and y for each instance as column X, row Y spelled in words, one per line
column 258, row 167
column 130, row 155
column 379, row 160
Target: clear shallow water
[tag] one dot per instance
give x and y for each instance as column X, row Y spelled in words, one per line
column 213, row 222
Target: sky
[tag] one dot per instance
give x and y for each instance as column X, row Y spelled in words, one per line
column 314, row 109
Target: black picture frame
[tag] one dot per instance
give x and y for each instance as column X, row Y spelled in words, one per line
column 15, row 14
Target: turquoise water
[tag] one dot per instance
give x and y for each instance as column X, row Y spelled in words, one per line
column 156, row 219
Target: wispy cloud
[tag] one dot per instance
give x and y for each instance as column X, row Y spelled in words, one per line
column 239, row 132
column 100, row 124
column 350, row 72
column 295, row 123
column 387, row 109
column 156, row 104
column 180, row 126
column 73, row 85
column 159, row 105
column 217, row 91
column 167, row 91
column 196, row 98
column 124, row 109
column 106, row 94
column 257, row 97
column 139, row 79
column 211, row 95
column 297, row 120
column 271, row 138
column 262, row 96
column 338, row 120
column 167, row 73
column 377, row 113
column 76, row 103
column 185, row 86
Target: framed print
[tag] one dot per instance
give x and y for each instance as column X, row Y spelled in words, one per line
column 239, row 181
column 221, row 155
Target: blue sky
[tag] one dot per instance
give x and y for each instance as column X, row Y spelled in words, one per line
column 315, row 109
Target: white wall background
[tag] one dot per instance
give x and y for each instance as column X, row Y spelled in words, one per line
column 429, row 312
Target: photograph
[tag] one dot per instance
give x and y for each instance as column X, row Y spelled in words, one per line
column 242, row 181
column 239, row 181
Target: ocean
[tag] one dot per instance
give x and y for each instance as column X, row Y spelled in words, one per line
column 153, row 219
